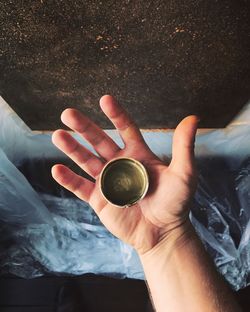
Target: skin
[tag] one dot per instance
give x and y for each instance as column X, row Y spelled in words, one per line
column 180, row 275
column 171, row 185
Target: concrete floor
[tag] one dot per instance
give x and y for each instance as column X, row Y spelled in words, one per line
column 161, row 59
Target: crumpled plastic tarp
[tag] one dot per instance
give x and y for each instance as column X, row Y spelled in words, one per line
column 43, row 232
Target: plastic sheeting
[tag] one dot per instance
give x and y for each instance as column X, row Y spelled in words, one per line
column 42, row 231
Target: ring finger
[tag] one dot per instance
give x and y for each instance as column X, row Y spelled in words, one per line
column 79, row 154
column 100, row 141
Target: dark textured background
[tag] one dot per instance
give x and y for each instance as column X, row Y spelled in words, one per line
column 161, row 59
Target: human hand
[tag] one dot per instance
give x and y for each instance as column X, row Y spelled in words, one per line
column 171, row 187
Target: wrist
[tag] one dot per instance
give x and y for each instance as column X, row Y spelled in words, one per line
column 170, row 241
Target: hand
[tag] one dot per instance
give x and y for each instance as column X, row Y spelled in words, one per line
column 171, row 187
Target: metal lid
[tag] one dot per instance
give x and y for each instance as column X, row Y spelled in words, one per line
column 124, row 181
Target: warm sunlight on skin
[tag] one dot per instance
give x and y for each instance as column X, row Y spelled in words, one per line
column 146, row 223
column 180, row 275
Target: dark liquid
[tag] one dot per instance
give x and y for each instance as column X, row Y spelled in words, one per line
column 123, row 182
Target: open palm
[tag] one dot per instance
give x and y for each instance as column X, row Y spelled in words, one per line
column 171, row 187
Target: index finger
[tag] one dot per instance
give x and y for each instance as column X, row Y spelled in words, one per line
column 121, row 120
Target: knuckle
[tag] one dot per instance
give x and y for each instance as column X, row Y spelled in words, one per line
column 75, row 185
column 74, row 149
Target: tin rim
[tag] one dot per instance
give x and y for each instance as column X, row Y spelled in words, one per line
column 145, row 173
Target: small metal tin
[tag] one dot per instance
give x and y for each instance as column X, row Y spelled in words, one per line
column 123, row 182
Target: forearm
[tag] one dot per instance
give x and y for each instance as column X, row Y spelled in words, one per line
column 182, row 278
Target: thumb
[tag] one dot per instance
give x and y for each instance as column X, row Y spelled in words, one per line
column 183, row 161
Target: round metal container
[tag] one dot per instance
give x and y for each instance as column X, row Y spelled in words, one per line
column 123, row 182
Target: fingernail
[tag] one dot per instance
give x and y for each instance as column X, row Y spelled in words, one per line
column 198, row 118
